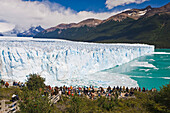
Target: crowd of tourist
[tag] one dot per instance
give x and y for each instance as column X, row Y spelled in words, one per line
column 3, row 83
column 89, row 92
column 93, row 93
column 6, row 84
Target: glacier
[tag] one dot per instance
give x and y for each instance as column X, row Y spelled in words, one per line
column 63, row 62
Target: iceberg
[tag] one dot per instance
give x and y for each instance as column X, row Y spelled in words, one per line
column 63, row 62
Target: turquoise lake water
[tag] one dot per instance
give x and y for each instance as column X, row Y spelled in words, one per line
column 150, row 71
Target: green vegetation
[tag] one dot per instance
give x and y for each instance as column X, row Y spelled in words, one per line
column 143, row 103
column 163, row 97
column 151, row 30
column 32, row 97
column 35, row 82
column 33, row 100
column 6, row 93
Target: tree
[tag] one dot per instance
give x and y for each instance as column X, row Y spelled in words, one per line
column 35, row 82
column 163, row 97
column 34, row 102
column 32, row 99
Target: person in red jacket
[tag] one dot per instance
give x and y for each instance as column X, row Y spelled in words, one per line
column 7, row 84
column 69, row 92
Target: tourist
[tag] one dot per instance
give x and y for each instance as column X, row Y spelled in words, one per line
column 19, row 84
column 2, row 83
column 49, row 87
column 155, row 90
column 79, row 94
column 123, row 89
column 6, row 84
column 114, row 88
column 117, row 88
column 109, row 89
column 14, row 98
column 45, row 92
column 61, row 88
column 120, row 88
column 143, row 89
column 69, row 92
column 14, row 83
column 60, row 93
column 127, row 89
column 126, row 95
column 131, row 93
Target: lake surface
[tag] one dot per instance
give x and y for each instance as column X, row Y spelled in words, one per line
column 150, row 71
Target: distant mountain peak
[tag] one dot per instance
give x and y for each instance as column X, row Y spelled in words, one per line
column 148, row 7
column 132, row 13
column 31, row 31
column 163, row 9
column 22, row 32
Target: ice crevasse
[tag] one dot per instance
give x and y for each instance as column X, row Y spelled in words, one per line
column 64, row 62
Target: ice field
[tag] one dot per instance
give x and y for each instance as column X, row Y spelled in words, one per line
column 63, row 62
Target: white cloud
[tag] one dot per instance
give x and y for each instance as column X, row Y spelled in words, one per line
column 26, row 13
column 6, row 27
column 113, row 3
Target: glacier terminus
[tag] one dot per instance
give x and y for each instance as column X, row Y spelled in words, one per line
column 63, row 62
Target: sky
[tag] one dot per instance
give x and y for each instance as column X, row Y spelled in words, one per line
column 50, row 13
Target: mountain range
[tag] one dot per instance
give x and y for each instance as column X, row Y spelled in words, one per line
column 148, row 25
column 20, row 32
column 31, row 32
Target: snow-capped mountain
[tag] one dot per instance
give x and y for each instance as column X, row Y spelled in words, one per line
column 22, row 32
column 30, row 32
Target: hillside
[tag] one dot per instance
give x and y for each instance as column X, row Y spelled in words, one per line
column 148, row 25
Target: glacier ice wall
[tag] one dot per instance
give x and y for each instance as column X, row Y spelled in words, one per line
column 63, row 62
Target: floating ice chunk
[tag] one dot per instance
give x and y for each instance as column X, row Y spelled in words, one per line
column 144, row 64
column 151, row 60
column 165, row 77
column 146, row 70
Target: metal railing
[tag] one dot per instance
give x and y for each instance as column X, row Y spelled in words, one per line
column 13, row 107
column 7, row 108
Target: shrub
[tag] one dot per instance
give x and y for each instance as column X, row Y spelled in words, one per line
column 35, row 82
column 163, row 97
column 34, row 102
